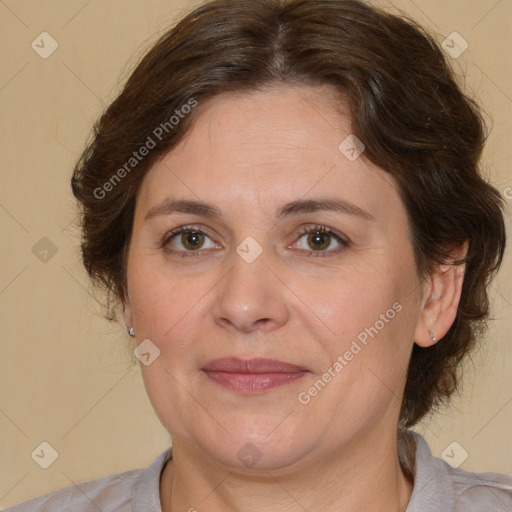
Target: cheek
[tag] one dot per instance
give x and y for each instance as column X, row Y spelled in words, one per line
column 367, row 315
column 166, row 307
column 367, row 351
column 350, row 299
column 168, row 310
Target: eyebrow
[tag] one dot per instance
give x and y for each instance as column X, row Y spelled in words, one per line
column 292, row 208
column 314, row 205
column 169, row 206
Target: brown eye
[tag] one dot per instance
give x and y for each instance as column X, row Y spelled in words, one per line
column 192, row 240
column 187, row 240
column 319, row 241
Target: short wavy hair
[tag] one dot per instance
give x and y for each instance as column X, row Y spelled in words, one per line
column 406, row 106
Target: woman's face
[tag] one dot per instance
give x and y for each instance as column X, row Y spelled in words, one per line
column 297, row 252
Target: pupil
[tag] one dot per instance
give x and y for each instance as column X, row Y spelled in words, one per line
column 192, row 240
column 319, row 241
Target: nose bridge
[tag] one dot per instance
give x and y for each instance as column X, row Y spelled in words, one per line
column 250, row 297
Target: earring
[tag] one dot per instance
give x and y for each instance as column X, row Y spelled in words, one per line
column 131, row 332
column 432, row 336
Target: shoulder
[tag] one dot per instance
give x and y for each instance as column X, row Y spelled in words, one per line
column 439, row 486
column 121, row 492
column 482, row 492
column 113, row 492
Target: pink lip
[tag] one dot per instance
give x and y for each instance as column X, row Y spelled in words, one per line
column 252, row 375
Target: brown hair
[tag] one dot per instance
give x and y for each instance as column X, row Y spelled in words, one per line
column 406, row 107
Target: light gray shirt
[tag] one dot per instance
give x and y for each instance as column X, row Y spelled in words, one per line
column 438, row 487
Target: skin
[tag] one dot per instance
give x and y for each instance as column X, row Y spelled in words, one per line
column 249, row 154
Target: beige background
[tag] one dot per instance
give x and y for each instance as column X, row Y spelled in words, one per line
column 66, row 374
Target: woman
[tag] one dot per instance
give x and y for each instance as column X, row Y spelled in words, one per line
column 285, row 204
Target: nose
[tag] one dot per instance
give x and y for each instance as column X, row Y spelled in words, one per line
column 251, row 297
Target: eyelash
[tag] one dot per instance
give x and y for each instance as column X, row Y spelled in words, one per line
column 306, row 230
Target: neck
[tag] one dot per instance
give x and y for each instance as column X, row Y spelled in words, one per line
column 363, row 477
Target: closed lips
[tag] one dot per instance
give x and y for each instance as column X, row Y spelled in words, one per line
column 252, row 376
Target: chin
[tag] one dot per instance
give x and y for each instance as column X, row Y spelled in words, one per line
column 251, row 447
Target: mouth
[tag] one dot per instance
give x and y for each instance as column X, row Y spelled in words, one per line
column 252, row 376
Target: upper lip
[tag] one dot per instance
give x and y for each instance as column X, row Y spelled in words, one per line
column 256, row 365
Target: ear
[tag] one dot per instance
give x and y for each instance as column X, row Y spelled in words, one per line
column 441, row 300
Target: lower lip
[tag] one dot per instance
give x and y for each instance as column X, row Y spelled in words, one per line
column 250, row 383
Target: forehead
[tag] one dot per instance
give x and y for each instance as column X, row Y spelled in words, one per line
column 267, row 146
column 269, row 124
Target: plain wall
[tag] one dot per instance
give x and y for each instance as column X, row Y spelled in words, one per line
column 66, row 375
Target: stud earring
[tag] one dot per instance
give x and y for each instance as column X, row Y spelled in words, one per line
column 432, row 336
column 131, row 332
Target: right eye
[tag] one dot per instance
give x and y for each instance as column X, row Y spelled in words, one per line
column 186, row 239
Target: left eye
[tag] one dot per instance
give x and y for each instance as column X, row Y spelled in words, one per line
column 320, row 239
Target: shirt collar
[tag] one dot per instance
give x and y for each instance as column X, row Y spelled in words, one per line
column 146, row 492
column 429, row 494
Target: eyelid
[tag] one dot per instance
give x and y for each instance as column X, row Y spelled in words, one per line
column 313, row 228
